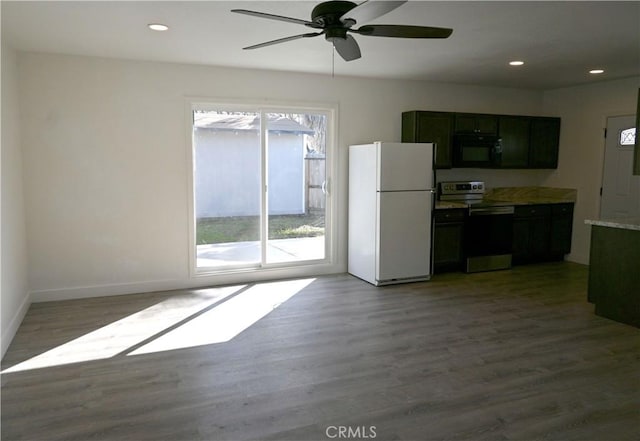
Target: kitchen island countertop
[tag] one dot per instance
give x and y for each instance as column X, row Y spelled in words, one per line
column 625, row 224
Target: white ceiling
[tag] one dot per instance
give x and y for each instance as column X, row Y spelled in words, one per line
column 559, row 41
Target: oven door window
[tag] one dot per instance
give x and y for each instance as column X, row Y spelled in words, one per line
column 488, row 235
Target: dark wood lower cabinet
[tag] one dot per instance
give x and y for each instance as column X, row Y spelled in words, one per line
column 542, row 232
column 531, row 233
column 561, row 230
column 447, row 240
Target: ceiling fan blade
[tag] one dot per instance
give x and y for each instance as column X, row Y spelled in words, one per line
column 276, row 17
column 402, row 31
column 283, row 40
column 347, row 48
column 369, row 10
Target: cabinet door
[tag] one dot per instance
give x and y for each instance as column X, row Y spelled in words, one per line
column 447, row 239
column 447, row 247
column 476, row 123
column 561, row 230
column 436, row 127
column 465, row 123
column 520, row 248
column 540, row 229
column 514, row 132
column 487, row 124
column 561, row 227
column 544, row 142
column 530, row 239
column 531, row 233
column 440, row 128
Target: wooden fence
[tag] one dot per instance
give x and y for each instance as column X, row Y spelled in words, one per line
column 315, row 179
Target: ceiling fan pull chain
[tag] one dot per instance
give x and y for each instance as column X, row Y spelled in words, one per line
column 333, row 60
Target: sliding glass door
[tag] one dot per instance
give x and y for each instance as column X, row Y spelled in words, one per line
column 260, row 187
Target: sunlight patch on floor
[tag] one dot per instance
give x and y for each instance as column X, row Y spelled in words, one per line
column 206, row 316
column 228, row 319
column 119, row 336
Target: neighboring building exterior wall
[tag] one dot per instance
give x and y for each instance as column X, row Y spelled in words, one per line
column 227, row 179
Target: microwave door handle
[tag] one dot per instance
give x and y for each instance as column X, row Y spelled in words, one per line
column 496, row 152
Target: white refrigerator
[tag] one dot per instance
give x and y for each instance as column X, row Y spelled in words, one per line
column 391, row 193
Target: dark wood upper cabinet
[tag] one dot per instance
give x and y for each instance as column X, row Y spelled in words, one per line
column 436, row 127
column 544, row 142
column 527, row 141
column 476, row 123
column 514, row 132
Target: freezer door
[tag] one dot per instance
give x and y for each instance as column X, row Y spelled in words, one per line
column 404, row 166
column 404, row 235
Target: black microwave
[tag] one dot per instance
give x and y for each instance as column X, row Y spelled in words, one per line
column 477, row 151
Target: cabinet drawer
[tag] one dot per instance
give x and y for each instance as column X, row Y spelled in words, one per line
column 449, row 215
column 532, row 210
column 562, row 209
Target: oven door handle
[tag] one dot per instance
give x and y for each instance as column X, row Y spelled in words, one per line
column 488, row 211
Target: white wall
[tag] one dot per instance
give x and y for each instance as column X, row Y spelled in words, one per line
column 14, row 297
column 105, row 154
column 584, row 111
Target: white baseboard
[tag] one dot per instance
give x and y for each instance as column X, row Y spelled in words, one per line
column 199, row 281
column 115, row 289
column 10, row 330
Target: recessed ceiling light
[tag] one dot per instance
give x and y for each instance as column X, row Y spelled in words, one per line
column 596, row 71
column 516, row 63
column 158, row 26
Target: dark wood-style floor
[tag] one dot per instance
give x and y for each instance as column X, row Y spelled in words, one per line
column 507, row 355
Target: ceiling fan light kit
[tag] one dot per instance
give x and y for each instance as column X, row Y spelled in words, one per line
column 335, row 20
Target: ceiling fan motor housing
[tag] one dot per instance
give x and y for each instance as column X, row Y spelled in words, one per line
column 327, row 15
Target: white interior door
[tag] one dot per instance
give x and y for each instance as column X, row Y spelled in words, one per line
column 620, row 188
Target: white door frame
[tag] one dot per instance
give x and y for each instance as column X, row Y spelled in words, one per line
column 330, row 264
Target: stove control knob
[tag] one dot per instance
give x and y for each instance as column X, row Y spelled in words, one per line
column 479, row 186
column 475, row 187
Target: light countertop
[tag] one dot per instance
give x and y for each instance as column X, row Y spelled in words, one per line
column 625, row 224
column 445, row 205
column 520, row 196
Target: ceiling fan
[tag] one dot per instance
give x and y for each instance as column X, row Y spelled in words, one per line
column 335, row 19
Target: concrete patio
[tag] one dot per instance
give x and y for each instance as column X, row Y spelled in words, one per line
column 243, row 253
